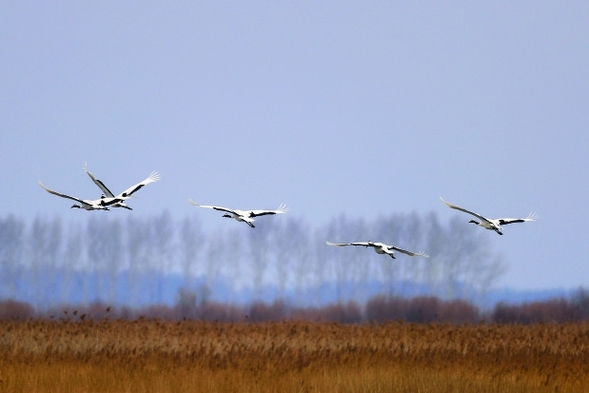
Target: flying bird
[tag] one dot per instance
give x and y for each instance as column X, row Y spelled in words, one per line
column 489, row 223
column 87, row 204
column 246, row 216
column 153, row 177
column 381, row 248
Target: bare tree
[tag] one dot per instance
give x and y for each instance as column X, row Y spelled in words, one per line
column 349, row 266
column 43, row 243
column 319, row 269
column 406, row 231
column 191, row 243
column 290, row 248
column 52, row 254
column 230, row 257
column 162, row 233
column 259, row 242
column 105, row 254
column 435, row 244
column 139, row 252
column 11, row 253
column 299, row 252
column 72, row 264
column 390, row 231
column 463, row 260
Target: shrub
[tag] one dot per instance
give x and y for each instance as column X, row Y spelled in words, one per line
column 12, row 309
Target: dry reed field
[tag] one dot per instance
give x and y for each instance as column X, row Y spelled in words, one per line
column 292, row 356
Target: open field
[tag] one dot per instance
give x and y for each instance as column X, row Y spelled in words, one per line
column 293, row 356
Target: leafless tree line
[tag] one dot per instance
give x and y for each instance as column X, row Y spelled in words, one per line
column 118, row 259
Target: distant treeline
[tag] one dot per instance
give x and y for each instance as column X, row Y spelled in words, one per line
column 379, row 309
column 108, row 257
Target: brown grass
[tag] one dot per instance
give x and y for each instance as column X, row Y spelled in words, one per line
column 191, row 356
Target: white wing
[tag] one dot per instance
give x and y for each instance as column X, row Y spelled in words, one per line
column 466, row 211
column 96, row 204
column 281, row 209
column 63, row 195
column 153, row 177
column 337, row 244
column 531, row 217
column 364, row 244
column 411, row 253
column 99, row 183
column 220, row 208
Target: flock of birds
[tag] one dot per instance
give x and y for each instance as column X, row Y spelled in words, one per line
column 109, row 200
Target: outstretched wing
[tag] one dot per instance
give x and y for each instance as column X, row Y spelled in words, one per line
column 63, row 195
column 153, row 177
column 281, row 209
column 362, row 244
column 531, row 217
column 410, row 253
column 99, row 183
column 220, row 208
column 466, row 211
column 365, row 244
column 337, row 244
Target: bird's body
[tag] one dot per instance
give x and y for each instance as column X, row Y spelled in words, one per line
column 88, row 204
column 491, row 223
column 246, row 216
column 153, row 177
column 381, row 248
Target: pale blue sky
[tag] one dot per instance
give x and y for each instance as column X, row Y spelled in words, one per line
column 362, row 108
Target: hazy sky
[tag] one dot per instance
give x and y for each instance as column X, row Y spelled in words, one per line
column 360, row 108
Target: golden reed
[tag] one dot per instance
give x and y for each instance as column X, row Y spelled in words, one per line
column 291, row 356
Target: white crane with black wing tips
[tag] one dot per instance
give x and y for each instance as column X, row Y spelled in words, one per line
column 153, row 177
column 246, row 216
column 381, row 248
column 87, row 204
column 493, row 224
